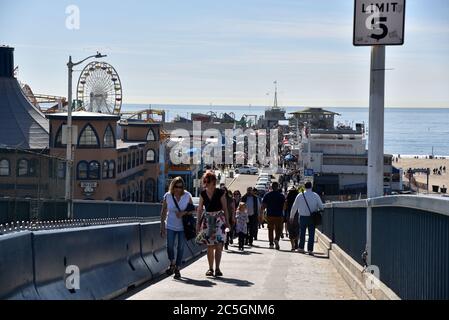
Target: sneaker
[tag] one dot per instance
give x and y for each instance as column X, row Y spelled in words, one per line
column 170, row 270
column 311, row 253
column 271, row 246
column 301, row 250
column 218, row 273
column 277, row 245
column 210, row 273
column 226, row 247
column 177, row 274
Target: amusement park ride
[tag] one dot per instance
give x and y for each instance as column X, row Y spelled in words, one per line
column 99, row 90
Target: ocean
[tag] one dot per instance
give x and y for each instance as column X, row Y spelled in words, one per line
column 408, row 131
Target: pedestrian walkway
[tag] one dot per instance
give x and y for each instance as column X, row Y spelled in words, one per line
column 258, row 273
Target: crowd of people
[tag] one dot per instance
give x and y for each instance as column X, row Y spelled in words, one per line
column 224, row 216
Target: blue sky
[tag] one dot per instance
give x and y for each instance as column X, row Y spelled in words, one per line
column 230, row 52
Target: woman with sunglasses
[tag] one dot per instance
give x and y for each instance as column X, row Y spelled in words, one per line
column 213, row 221
column 175, row 200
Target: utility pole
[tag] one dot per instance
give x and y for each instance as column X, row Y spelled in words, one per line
column 376, row 135
column 69, row 132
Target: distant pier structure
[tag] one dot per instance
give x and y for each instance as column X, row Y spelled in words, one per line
column 318, row 118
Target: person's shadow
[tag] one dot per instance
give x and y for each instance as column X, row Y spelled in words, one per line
column 236, row 282
column 198, row 283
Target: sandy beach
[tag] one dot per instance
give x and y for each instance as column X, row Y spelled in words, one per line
column 440, row 180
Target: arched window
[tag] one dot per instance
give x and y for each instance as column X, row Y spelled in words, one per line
column 22, row 168
column 61, row 167
column 108, row 139
column 141, row 191
column 4, row 168
column 141, row 157
column 82, row 170
column 111, row 173
column 137, row 158
column 88, row 137
column 150, row 190
column 151, row 136
column 105, row 169
column 94, row 170
column 119, row 165
column 124, row 164
column 58, row 138
column 133, row 160
column 132, row 194
column 129, row 161
column 151, row 156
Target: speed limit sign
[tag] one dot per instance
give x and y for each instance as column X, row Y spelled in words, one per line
column 379, row 22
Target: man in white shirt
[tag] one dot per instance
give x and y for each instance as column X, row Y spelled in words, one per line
column 306, row 203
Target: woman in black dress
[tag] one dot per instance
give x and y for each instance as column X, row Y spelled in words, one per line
column 293, row 228
column 212, row 222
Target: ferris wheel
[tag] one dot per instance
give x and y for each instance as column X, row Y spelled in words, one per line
column 99, row 88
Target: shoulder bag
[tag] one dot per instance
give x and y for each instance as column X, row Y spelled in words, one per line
column 316, row 216
column 188, row 221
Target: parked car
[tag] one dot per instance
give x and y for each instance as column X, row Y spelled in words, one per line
column 247, row 170
column 261, row 186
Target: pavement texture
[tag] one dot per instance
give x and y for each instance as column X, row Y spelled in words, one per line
column 258, row 273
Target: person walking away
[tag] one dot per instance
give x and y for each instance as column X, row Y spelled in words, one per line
column 305, row 203
column 292, row 227
column 252, row 202
column 273, row 202
column 171, row 223
column 242, row 220
column 213, row 222
column 231, row 211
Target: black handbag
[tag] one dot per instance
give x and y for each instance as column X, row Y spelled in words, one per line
column 188, row 220
column 316, row 216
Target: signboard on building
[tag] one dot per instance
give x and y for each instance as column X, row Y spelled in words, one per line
column 379, row 22
column 308, row 172
column 88, row 187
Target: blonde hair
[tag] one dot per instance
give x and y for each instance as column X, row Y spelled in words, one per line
column 176, row 180
column 242, row 206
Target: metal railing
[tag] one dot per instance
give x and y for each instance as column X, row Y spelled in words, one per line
column 409, row 244
column 53, row 214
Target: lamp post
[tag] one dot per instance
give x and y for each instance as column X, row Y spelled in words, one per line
column 69, row 150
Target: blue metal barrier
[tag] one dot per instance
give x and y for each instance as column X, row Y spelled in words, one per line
column 111, row 259
column 108, row 258
column 16, row 267
column 411, row 249
column 409, row 243
column 350, row 231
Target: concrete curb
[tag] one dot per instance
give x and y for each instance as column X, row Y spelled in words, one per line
column 353, row 274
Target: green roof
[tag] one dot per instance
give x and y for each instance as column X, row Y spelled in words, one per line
column 315, row 110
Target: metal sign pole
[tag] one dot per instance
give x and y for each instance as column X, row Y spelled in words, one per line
column 376, row 133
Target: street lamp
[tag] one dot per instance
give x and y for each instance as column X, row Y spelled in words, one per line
column 68, row 173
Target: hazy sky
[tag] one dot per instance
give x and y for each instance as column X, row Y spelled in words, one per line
column 230, row 51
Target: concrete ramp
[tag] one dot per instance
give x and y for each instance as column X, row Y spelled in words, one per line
column 258, row 273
